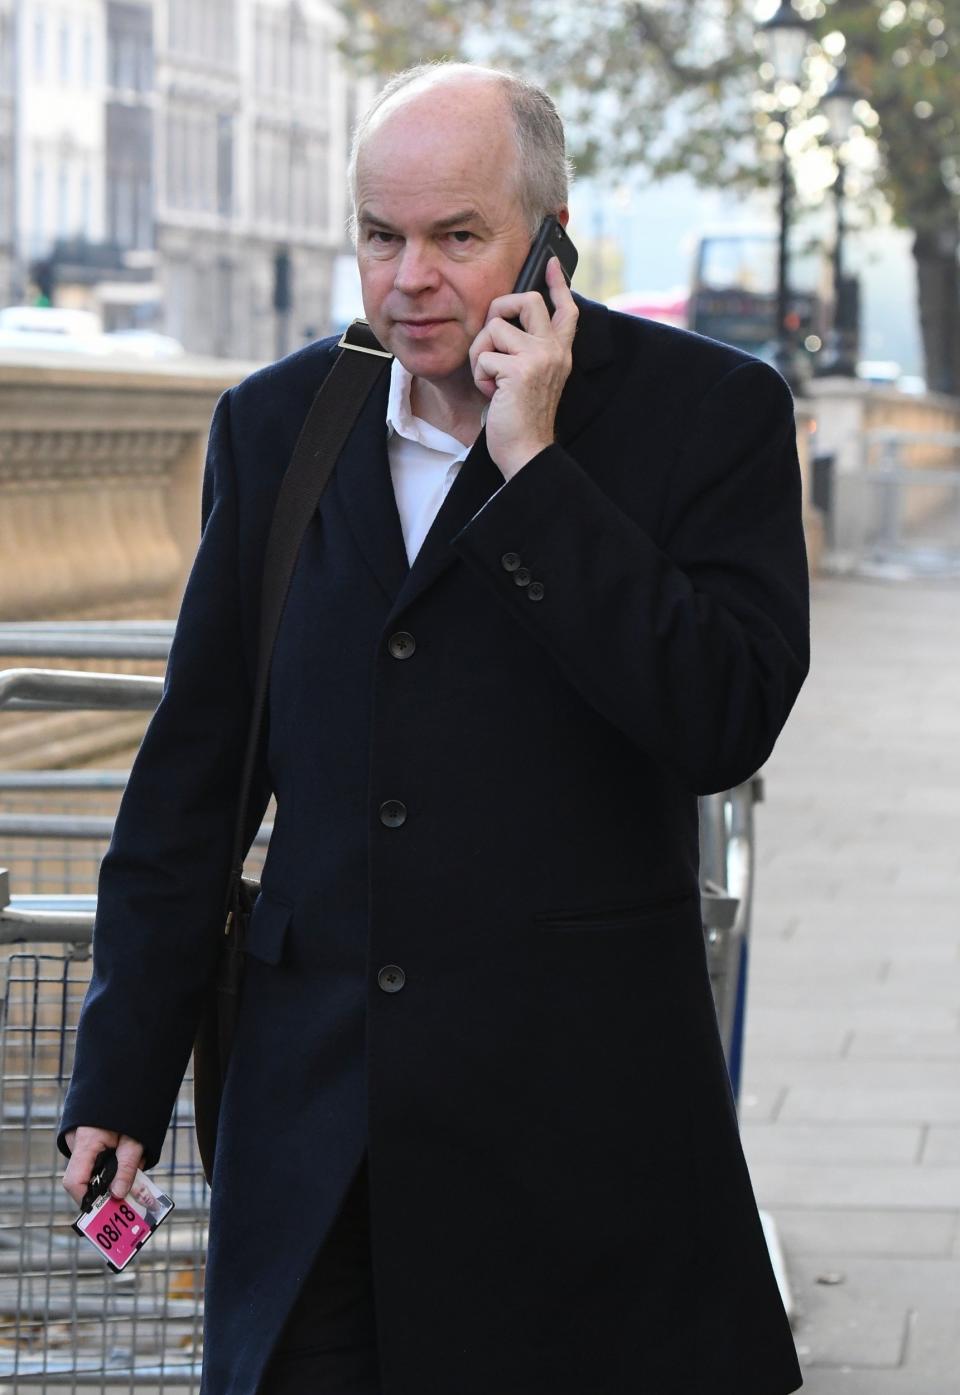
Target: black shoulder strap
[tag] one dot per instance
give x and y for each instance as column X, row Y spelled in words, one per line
column 332, row 415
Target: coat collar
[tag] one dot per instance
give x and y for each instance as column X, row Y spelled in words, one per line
column 366, row 489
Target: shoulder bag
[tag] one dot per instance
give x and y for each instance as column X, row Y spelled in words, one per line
column 332, row 415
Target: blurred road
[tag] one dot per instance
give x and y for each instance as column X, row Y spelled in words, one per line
column 851, row 1099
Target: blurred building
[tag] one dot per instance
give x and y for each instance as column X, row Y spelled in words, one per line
column 176, row 165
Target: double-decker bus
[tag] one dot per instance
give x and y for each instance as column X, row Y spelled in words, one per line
column 733, row 294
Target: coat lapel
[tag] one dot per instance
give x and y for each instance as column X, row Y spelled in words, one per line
column 366, row 494
column 586, row 390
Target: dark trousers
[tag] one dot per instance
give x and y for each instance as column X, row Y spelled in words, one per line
column 329, row 1343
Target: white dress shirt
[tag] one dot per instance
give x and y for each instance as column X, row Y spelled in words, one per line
column 424, row 462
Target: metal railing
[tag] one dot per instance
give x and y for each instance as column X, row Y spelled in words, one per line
column 65, row 1320
column 87, row 639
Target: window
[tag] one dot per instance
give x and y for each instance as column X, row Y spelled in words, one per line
column 86, row 60
column 143, row 230
column 174, row 159
column 223, row 309
column 85, row 229
column 299, row 177
column 39, row 200
column 63, row 200
column 224, row 163
column 4, row 193
column 123, row 212
column 39, row 46
column 318, row 208
column 129, row 46
column 129, row 175
column 64, row 51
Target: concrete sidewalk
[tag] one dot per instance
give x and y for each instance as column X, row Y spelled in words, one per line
column 851, row 1098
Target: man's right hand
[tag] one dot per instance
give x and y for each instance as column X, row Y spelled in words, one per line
column 84, row 1144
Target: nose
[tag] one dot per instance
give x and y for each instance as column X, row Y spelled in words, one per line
column 416, row 269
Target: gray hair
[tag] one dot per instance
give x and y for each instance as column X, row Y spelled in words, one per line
column 545, row 173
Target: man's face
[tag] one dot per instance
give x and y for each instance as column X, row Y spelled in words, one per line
column 440, row 228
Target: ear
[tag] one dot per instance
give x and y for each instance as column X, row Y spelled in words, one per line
column 563, row 216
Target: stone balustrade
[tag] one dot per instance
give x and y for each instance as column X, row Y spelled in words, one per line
column 99, row 470
column 847, row 416
column 100, row 466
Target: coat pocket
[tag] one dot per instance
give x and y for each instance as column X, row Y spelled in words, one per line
column 268, row 927
column 611, row 917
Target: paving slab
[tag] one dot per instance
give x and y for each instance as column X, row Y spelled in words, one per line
column 771, row 1142
column 863, row 1076
column 930, row 1046
column 941, row 1146
column 811, row 1104
column 881, row 1185
column 851, row 1107
column 834, row 1231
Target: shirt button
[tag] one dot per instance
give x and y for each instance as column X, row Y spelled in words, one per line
column 402, row 644
column 522, row 576
column 393, row 813
column 510, row 561
column 391, row 978
column 535, row 591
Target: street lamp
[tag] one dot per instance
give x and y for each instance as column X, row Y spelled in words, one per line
column 837, row 105
column 783, row 39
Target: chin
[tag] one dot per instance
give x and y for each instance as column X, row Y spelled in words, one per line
column 423, row 361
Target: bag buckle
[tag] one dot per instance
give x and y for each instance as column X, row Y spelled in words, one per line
column 362, row 331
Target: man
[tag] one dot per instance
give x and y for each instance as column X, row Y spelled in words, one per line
column 510, row 659
column 153, row 1206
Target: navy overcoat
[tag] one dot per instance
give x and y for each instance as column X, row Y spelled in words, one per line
column 478, row 950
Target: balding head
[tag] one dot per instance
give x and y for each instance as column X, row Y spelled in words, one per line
column 530, row 119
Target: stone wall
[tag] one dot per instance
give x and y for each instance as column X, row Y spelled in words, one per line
column 848, row 417
column 100, row 465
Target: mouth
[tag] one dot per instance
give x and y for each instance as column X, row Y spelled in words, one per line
column 419, row 329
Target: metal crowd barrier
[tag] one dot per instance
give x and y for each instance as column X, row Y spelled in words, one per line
column 66, row 1322
column 87, row 639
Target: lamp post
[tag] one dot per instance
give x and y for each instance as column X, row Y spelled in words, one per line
column 783, row 39
column 837, row 105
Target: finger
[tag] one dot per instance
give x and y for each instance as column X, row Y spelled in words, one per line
column 504, row 336
column 88, row 1144
column 490, row 367
column 529, row 307
column 565, row 311
column 482, row 344
column 129, row 1158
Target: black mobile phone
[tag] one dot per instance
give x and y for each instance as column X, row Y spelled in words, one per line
column 551, row 240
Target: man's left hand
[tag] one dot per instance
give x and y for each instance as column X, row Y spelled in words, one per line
column 523, row 370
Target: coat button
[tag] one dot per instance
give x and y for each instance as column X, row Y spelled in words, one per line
column 393, row 813
column 391, row 978
column 510, row 561
column 535, row 591
column 522, row 576
column 402, row 644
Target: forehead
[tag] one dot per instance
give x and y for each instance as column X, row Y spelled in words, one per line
column 446, row 148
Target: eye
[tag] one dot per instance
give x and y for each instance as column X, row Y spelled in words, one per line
column 380, row 237
column 462, row 236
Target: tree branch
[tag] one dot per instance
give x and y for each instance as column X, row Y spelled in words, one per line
column 652, row 29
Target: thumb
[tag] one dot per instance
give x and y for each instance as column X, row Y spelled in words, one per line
column 129, row 1158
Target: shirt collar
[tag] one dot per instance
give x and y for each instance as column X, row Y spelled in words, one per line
column 402, row 422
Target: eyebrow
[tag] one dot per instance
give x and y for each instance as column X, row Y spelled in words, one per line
column 455, row 220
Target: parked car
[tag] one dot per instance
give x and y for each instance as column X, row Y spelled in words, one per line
column 144, row 343
column 50, row 327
